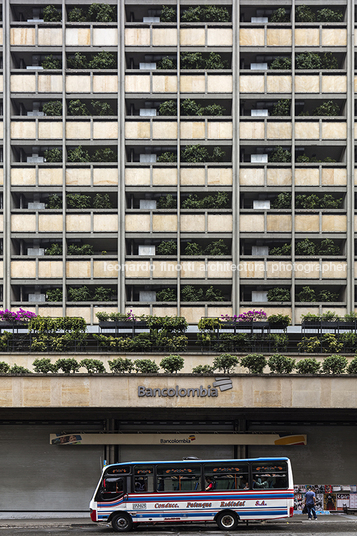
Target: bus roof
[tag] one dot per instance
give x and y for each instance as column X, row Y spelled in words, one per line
column 231, row 460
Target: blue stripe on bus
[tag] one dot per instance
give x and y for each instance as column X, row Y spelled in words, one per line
column 253, row 513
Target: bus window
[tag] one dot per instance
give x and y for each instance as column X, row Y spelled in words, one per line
column 178, row 477
column 111, row 488
column 227, row 476
column 270, row 476
column 143, row 478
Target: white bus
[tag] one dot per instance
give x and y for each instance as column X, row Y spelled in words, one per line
column 224, row 491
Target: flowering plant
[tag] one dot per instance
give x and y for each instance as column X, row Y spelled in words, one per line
column 16, row 316
column 249, row 316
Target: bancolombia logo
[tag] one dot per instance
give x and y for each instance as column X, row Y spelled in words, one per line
column 178, row 391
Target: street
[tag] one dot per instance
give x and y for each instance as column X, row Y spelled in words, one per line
column 327, row 525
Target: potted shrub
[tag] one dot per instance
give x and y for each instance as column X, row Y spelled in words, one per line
column 279, row 321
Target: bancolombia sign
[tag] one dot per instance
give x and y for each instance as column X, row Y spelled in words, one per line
column 178, row 391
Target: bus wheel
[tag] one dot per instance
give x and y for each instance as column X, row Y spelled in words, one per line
column 227, row 521
column 122, row 523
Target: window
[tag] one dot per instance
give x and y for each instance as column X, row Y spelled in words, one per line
column 267, row 476
column 143, row 478
column 112, row 488
column 227, row 476
column 178, row 477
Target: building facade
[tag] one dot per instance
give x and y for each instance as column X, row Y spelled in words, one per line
column 178, row 161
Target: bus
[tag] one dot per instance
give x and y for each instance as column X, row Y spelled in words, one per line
column 193, row 490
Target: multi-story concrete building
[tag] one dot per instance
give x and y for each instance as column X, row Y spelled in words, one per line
column 284, row 92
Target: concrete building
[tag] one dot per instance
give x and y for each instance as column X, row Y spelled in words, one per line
column 175, row 167
column 122, row 135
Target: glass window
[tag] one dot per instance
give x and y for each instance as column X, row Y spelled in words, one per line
column 270, row 475
column 178, row 477
column 112, row 487
column 144, row 478
column 226, row 476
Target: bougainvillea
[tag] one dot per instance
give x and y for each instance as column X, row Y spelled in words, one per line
column 16, row 316
column 248, row 316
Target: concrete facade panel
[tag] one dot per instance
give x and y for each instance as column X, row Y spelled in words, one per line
column 78, row 129
column 334, row 131
column 305, row 223
column 77, row 37
column 278, row 223
column 106, row 83
column 307, row 177
column 251, row 37
column 251, row 84
column 162, row 176
column 76, row 223
column 50, row 37
column 50, row 83
column 253, row 270
column 137, row 83
column 23, row 270
column 23, row 223
column 164, row 130
column 50, row 223
column 192, row 223
column 334, row 223
column 279, row 131
column 105, row 130
column 192, row 177
column 192, row 84
column 192, row 130
column 166, row 37
column 279, row 84
column 78, row 177
column 105, row 176
column 251, row 223
column 140, row 269
column 307, row 37
column 253, row 177
column 333, row 177
column 50, row 130
column 219, row 37
column 50, row 269
column 278, row 38
column 23, row 176
column 217, row 223
column 219, row 270
column 250, row 130
column 21, row 83
column 220, row 176
column 164, row 84
column 50, row 176
column 164, row 270
column 334, row 37
column 78, row 269
column 22, row 36
column 105, row 37
column 137, row 222
column 137, row 176
column 307, row 131
column 278, row 270
column 105, row 223
column 219, row 84
column 137, row 37
column 307, row 83
column 192, row 37
column 279, row 177
column 73, row 82
column 334, row 84
column 23, row 130
column 164, row 222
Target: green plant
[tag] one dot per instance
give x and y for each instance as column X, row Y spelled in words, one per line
column 51, row 62
column 192, row 14
column 308, row 60
column 166, row 295
column 101, row 108
column 277, row 294
column 280, row 155
column 167, row 157
column 309, row 345
column 207, row 328
column 283, row 320
column 334, row 364
column 44, row 365
column 329, row 15
column 330, row 343
column 193, row 248
column 305, row 247
column 54, row 202
column 18, row 369
column 329, row 61
column 120, row 365
column 78, row 154
column 166, row 63
column 280, row 15
column 255, row 363
column 330, row 316
column 93, row 365
column 328, row 247
column 219, row 200
column 285, row 249
column 166, row 201
column 76, row 107
column 283, row 63
column 77, row 61
column 78, row 201
column 101, row 13
column 168, row 108
column 349, row 341
column 328, row 108
column 173, row 363
column 205, row 369
column 217, row 248
column 102, row 201
column 194, row 153
column 218, row 155
column 327, row 296
column 352, row 367
column 225, row 362
column 190, row 107
column 167, row 247
column 168, row 14
column 189, row 293
column 302, row 157
column 214, row 109
column 85, row 249
column 280, row 341
column 146, row 366
column 78, row 293
column 307, row 201
column 52, row 108
column 104, row 154
column 67, row 365
column 214, row 294
column 103, row 60
column 76, row 14
column 351, row 317
column 51, row 14
column 229, row 342
column 54, row 295
column 304, row 14
column 214, row 61
column 281, row 364
column 192, row 60
column 53, row 155
column 328, row 201
column 102, row 294
column 307, row 294
column 308, row 365
column 282, row 107
column 4, row 367
column 283, row 200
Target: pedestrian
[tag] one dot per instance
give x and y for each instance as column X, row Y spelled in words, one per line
column 310, row 503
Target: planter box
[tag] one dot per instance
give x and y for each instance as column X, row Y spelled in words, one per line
column 13, row 325
column 115, row 324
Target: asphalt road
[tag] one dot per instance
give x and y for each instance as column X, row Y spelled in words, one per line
column 331, row 525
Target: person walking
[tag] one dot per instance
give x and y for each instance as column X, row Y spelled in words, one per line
column 310, row 503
